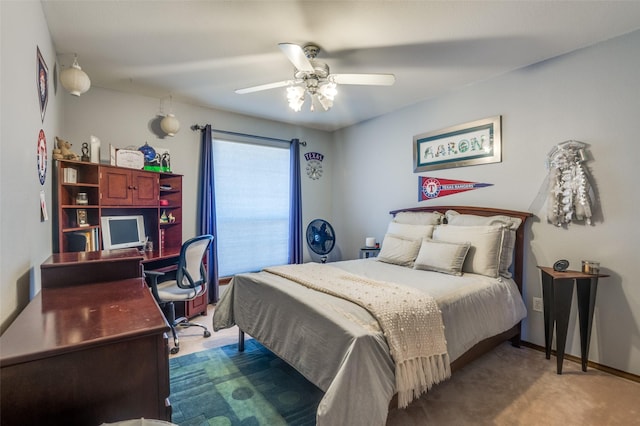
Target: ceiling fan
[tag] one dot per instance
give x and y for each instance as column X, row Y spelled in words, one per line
column 313, row 77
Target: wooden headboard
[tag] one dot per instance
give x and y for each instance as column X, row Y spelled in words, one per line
column 518, row 260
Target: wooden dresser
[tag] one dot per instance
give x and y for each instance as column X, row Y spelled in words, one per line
column 88, row 350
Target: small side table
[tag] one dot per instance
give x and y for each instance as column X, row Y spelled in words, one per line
column 367, row 252
column 557, row 293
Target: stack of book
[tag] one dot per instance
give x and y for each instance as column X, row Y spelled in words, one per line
column 69, row 175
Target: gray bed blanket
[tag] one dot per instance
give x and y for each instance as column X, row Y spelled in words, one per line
column 339, row 346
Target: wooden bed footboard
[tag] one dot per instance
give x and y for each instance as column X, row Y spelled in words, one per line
column 487, row 345
column 475, row 352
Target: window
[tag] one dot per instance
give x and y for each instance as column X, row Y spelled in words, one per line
column 252, row 205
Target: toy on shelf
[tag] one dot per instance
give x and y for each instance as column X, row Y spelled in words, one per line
column 63, row 151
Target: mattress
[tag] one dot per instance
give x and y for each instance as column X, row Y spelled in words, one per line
column 339, row 346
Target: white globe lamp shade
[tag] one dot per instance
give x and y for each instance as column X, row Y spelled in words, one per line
column 170, row 124
column 75, row 80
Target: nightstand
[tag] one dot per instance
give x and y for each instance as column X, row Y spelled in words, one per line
column 557, row 292
column 367, row 252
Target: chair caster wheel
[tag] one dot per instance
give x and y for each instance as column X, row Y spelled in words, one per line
column 174, row 350
column 207, row 333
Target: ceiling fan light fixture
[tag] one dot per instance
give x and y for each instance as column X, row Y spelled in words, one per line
column 328, row 90
column 325, row 102
column 313, row 77
column 295, row 96
column 74, row 79
column 319, row 93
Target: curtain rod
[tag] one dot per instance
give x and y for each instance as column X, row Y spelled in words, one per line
column 226, row 132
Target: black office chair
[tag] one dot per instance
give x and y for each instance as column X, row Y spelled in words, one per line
column 189, row 282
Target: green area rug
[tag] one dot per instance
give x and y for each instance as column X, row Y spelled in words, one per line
column 222, row 386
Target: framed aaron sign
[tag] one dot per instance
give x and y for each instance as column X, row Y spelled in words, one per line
column 477, row 142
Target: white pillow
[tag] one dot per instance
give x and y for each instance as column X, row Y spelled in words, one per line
column 455, row 218
column 441, row 256
column 399, row 250
column 486, row 246
column 419, row 218
column 416, row 232
column 509, row 243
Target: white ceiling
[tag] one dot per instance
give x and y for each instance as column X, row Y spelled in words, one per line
column 199, row 52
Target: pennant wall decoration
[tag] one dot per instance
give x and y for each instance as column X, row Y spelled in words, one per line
column 430, row 187
column 42, row 81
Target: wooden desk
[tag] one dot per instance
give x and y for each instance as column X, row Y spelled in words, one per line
column 557, row 293
column 160, row 256
column 67, row 269
column 86, row 354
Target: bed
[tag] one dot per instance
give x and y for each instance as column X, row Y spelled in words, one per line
column 468, row 260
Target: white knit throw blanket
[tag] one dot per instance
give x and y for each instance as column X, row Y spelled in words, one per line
column 410, row 320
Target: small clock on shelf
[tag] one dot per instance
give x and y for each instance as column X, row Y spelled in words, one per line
column 314, row 164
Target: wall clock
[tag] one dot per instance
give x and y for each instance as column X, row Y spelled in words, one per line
column 314, row 164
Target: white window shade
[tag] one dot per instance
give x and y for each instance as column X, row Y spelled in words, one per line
column 252, row 206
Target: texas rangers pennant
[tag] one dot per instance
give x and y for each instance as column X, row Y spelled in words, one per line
column 430, row 187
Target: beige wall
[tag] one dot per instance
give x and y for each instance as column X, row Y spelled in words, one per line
column 25, row 240
column 126, row 120
column 589, row 95
column 116, row 118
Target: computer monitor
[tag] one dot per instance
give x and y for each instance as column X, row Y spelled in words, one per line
column 122, row 232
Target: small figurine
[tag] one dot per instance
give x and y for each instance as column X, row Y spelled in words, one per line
column 171, row 218
column 163, row 217
column 85, row 152
column 165, row 162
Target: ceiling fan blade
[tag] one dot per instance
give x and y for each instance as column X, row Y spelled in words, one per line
column 366, row 79
column 264, row 87
column 296, row 55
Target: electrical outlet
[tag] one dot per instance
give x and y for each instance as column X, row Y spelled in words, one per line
column 537, row 304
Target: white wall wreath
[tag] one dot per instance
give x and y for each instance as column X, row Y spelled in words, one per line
column 570, row 194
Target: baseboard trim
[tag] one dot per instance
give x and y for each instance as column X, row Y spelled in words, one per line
column 576, row 359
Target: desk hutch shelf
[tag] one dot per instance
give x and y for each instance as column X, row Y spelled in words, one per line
column 113, row 190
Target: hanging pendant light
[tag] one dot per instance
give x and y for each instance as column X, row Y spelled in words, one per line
column 74, row 79
column 170, row 124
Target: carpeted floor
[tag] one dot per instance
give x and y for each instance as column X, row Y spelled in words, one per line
column 508, row 386
column 519, row 386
